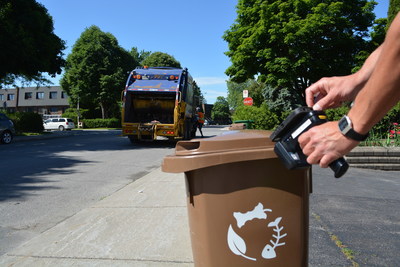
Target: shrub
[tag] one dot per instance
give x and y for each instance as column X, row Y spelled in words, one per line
column 383, row 126
column 380, row 130
column 73, row 114
column 336, row 114
column 262, row 117
column 101, row 123
column 27, row 122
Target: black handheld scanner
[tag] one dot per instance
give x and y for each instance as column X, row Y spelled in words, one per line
column 286, row 137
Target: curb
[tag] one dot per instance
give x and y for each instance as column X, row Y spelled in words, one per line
column 54, row 134
column 39, row 137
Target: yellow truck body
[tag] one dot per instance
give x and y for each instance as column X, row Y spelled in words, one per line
column 158, row 102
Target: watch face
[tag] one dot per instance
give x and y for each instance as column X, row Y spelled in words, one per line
column 344, row 124
column 346, row 128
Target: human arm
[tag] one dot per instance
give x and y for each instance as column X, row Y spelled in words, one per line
column 325, row 143
column 382, row 90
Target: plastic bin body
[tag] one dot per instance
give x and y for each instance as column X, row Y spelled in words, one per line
column 245, row 208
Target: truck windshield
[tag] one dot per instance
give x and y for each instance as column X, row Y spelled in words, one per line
column 155, row 84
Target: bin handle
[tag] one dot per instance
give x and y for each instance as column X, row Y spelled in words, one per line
column 183, row 146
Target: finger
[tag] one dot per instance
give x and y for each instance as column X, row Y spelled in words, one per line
column 324, row 103
column 308, row 149
column 327, row 159
column 304, row 139
column 313, row 158
column 311, row 93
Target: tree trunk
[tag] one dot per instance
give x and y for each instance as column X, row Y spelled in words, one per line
column 102, row 111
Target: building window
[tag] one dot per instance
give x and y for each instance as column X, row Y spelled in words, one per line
column 39, row 95
column 2, row 97
column 54, row 110
column 28, row 95
column 10, row 97
column 53, row 95
column 64, row 94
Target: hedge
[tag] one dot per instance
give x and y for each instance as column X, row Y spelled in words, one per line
column 27, row 122
column 380, row 130
column 101, row 123
column 262, row 117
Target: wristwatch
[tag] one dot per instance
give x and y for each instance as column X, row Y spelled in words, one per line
column 346, row 128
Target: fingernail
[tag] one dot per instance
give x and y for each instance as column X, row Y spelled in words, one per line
column 317, row 107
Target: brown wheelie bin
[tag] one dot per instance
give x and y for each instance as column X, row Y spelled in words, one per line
column 245, row 208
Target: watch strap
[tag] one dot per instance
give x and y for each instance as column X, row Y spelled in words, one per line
column 356, row 136
column 348, row 131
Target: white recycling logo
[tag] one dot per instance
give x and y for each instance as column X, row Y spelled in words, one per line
column 238, row 246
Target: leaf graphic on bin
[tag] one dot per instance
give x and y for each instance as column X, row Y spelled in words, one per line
column 237, row 244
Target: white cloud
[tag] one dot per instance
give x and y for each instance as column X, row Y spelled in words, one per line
column 210, row 80
column 211, row 94
column 212, row 87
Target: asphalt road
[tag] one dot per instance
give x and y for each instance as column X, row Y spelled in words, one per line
column 45, row 181
column 354, row 220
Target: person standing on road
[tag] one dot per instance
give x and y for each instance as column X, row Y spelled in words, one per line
column 200, row 120
column 375, row 89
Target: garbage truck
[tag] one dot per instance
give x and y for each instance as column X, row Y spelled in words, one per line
column 159, row 102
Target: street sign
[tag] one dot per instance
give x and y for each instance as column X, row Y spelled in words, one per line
column 245, row 93
column 248, row 101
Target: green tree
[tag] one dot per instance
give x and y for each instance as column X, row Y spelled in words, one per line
column 220, row 112
column 95, row 72
column 28, row 45
column 394, row 8
column 159, row 59
column 139, row 56
column 256, row 89
column 281, row 100
column 377, row 36
column 235, row 92
column 292, row 43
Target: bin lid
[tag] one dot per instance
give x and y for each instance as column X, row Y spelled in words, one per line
column 232, row 146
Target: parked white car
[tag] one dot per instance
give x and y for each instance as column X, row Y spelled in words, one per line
column 60, row 124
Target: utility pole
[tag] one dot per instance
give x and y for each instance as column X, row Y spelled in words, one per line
column 78, row 114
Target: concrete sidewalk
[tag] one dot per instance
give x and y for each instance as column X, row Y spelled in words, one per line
column 143, row 224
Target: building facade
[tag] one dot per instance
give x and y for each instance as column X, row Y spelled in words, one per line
column 50, row 100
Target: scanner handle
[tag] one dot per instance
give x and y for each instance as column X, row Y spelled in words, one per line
column 339, row 167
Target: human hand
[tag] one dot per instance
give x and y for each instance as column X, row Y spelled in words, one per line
column 332, row 92
column 325, row 143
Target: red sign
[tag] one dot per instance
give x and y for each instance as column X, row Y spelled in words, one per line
column 248, row 101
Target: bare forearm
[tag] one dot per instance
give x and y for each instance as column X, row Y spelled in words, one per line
column 382, row 91
column 362, row 76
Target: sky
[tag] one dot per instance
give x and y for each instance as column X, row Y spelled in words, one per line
column 189, row 30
